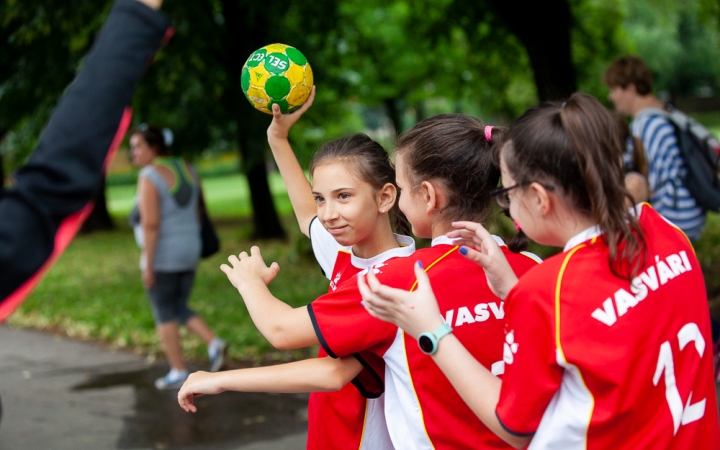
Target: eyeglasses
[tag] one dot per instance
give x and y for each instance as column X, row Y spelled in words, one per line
column 501, row 196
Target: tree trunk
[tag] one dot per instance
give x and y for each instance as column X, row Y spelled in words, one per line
column 544, row 30
column 252, row 140
column 394, row 110
column 240, row 42
column 3, row 132
column 420, row 111
column 99, row 219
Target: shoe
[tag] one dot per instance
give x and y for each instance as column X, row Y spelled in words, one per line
column 171, row 381
column 217, row 361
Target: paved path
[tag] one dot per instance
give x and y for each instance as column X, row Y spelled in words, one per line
column 58, row 393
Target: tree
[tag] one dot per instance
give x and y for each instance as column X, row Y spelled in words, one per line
column 679, row 42
column 43, row 43
column 194, row 87
column 543, row 28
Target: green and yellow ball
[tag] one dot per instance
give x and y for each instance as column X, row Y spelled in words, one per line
column 277, row 74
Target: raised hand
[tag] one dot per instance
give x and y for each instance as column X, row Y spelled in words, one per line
column 478, row 245
column 197, row 384
column 154, row 4
column 415, row 312
column 247, row 268
column 280, row 126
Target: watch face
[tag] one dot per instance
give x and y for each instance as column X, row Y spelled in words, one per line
column 426, row 344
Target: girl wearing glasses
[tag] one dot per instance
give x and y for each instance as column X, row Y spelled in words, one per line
column 607, row 344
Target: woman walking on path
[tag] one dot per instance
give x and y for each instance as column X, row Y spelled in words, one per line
column 166, row 223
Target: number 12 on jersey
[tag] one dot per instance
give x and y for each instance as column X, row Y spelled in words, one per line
column 681, row 414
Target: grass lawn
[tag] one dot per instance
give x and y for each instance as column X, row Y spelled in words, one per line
column 94, row 291
column 227, row 196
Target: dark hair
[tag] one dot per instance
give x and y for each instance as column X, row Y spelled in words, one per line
column 154, row 137
column 452, row 149
column 369, row 161
column 576, row 147
column 638, row 161
column 629, row 70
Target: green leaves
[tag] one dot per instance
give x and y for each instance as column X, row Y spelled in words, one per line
column 679, row 42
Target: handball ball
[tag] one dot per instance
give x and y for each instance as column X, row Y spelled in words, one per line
column 276, row 73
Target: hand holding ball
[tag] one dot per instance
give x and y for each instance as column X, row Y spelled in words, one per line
column 276, row 74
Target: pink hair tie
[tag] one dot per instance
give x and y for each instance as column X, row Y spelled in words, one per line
column 488, row 133
column 517, row 225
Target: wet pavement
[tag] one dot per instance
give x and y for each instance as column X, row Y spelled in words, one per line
column 61, row 394
column 58, row 393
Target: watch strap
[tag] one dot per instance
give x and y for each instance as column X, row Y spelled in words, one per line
column 442, row 331
column 433, row 338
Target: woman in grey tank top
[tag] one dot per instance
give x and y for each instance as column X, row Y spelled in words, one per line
column 165, row 221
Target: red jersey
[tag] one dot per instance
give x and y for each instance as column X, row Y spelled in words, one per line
column 353, row 417
column 594, row 361
column 421, row 407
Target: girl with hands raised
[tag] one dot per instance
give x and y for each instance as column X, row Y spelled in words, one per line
column 348, row 212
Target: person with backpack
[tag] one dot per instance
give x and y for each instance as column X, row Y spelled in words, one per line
column 681, row 154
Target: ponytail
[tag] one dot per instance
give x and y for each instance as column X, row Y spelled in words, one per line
column 454, row 149
column 576, row 146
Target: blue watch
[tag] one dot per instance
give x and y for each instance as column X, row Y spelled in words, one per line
column 428, row 342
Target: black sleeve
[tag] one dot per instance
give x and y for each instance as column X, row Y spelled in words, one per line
column 53, row 192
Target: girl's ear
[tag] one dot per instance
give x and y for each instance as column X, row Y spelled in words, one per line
column 433, row 197
column 387, row 197
column 541, row 199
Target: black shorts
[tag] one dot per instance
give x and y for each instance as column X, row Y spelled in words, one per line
column 169, row 296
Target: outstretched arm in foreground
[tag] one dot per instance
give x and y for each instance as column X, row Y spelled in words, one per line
column 310, row 375
column 298, row 187
column 282, row 325
column 417, row 312
column 53, row 192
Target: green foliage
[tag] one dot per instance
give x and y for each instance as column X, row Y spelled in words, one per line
column 597, row 38
column 194, row 85
column 679, row 41
column 43, row 42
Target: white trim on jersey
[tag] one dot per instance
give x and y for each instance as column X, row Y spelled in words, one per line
column 407, row 248
column 584, row 235
column 567, row 417
column 402, row 408
column 375, row 432
column 446, row 240
column 326, row 248
column 532, row 256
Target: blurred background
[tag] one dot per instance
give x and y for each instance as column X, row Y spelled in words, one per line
column 380, row 66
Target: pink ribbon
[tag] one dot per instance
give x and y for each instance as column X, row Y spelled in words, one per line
column 488, row 133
